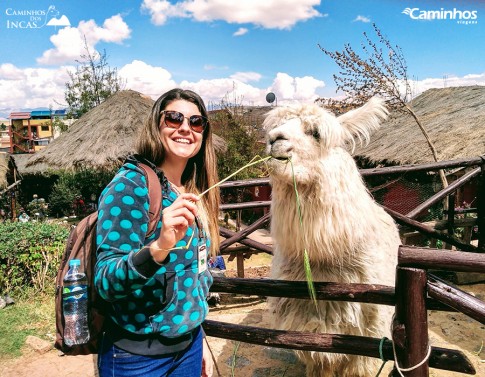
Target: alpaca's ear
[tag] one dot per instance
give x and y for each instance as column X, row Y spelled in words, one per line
column 359, row 123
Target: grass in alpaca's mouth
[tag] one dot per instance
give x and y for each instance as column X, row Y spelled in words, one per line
column 281, row 158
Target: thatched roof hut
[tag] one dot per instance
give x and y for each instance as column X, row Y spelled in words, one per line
column 101, row 138
column 454, row 118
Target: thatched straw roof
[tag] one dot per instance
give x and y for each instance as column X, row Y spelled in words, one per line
column 101, row 138
column 21, row 161
column 454, row 118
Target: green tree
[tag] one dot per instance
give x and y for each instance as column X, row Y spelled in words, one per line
column 85, row 185
column 59, row 125
column 244, row 142
column 91, row 83
column 242, row 139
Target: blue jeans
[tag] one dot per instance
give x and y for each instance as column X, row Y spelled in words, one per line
column 115, row 362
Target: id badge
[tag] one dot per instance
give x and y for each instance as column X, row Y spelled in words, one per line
column 202, row 251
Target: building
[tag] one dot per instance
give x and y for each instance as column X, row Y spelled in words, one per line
column 21, row 135
column 4, row 137
column 29, row 132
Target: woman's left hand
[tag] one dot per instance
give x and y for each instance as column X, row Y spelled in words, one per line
column 207, row 362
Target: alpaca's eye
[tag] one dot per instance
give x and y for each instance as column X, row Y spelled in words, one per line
column 315, row 134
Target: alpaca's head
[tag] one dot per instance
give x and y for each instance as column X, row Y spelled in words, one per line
column 307, row 134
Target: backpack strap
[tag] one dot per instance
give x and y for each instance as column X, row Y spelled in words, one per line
column 155, row 197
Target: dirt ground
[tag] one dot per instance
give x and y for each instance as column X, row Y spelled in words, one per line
column 450, row 330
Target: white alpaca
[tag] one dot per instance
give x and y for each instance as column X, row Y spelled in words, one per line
column 349, row 238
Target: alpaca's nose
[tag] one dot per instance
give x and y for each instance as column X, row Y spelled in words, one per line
column 279, row 137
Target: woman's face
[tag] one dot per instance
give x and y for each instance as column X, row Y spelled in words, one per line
column 182, row 142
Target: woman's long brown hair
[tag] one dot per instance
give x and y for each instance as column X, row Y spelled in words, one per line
column 201, row 170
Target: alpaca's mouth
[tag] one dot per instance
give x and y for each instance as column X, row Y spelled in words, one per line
column 281, row 158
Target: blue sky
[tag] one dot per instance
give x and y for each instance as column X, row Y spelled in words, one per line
column 219, row 48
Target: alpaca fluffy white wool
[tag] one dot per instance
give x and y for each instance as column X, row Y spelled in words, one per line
column 349, row 238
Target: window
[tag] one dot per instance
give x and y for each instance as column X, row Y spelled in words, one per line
column 41, row 142
column 44, row 128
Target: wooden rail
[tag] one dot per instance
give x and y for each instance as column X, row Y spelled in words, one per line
column 440, row 358
column 410, row 328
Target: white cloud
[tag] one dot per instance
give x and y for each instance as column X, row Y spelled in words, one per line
column 146, row 79
column 360, row 18
column 246, row 76
column 114, row 30
column 161, row 10
column 42, row 87
column 10, row 72
column 31, row 87
column 270, row 14
column 69, row 42
column 421, row 86
column 240, row 31
column 288, row 89
column 213, row 91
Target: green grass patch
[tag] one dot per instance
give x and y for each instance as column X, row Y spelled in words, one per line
column 33, row 315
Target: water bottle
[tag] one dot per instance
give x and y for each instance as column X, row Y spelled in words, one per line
column 75, row 306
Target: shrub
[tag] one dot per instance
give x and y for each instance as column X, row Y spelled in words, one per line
column 30, row 254
column 74, row 187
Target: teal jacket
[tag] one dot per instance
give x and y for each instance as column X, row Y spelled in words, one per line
column 146, row 297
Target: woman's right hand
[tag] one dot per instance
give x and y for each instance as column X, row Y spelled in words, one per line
column 176, row 219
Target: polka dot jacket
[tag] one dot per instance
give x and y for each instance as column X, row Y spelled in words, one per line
column 146, row 297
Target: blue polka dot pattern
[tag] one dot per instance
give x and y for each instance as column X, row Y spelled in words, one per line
column 115, row 211
column 120, row 187
column 107, row 224
column 136, row 214
column 125, row 247
column 188, row 282
column 140, row 191
column 177, row 319
column 140, row 317
column 114, row 236
column 128, row 200
column 134, row 237
column 125, row 224
column 140, row 303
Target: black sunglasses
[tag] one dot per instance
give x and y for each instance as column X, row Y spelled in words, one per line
column 175, row 119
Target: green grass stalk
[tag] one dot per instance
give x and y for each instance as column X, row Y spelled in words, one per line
column 306, row 259
column 250, row 163
column 234, row 358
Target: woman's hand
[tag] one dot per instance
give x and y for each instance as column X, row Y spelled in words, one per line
column 176, row 219
column 207, row 362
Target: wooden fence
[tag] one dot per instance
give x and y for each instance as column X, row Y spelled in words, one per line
column 416, row 289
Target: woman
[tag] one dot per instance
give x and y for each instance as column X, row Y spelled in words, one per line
column 156, row 287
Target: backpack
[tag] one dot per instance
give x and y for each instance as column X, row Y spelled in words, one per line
column 81, row 244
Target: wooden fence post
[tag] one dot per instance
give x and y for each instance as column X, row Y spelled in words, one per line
column 410, row 326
